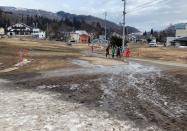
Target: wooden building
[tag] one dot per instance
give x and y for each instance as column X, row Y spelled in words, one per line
column 84, row 38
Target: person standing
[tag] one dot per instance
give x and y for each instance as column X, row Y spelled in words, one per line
column 118, row 52
column 127, row 53
column 107, row 51
column 113, row 52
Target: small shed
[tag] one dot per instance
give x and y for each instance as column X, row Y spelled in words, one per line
column 84, row 38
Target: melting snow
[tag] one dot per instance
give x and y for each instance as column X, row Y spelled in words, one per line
column 28, row 110
column 16, row 66
column 24, row 62
column 8, row 69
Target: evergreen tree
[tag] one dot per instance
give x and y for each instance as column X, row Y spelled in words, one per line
column 68, row 22
column 152, row 32
column 1, row 22
column 76, row 23
column 22, row 19
column 116, row 41
column 145, row 33
column 98, row 25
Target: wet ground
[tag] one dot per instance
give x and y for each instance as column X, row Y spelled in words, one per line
column 125, row 97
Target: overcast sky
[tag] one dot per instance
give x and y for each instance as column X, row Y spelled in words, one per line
column 142, row 14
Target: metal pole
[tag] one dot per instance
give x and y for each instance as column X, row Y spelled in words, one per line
column 47, row 30
column 124, row 34
column 105, row 25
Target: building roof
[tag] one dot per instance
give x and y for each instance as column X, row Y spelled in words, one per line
column 21, row 24
column 81, row 32
column 84, row 35
column 136, row 33
column 183, row 39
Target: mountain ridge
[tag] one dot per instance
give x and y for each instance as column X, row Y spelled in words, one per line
column 61, row 15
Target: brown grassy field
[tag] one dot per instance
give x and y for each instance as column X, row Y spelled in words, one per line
column 143, row 51
column 44, row 55
column 159, row 53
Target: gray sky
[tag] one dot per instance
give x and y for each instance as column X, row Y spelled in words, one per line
column 156, row 14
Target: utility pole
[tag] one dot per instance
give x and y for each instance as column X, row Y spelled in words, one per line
column 105, row 26
column 124, row 32
column 47, row 30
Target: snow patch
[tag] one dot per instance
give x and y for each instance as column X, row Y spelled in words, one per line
column 8, row 70
column 36, row 111
column 22, row 63
column 16, row 66
column 48, row 87
column 74, row 86
column 83, row 63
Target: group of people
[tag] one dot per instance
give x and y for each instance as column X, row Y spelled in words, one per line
column 118, row 51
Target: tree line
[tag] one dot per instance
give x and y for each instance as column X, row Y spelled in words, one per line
column 160, row 36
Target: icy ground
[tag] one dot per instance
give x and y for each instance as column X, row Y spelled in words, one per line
column 30, row 111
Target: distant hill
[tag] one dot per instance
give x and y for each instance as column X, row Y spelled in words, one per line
column 91, row 20
column 30, row 12
column 69, row 21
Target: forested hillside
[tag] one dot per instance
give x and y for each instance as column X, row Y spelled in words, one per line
column 57, row 22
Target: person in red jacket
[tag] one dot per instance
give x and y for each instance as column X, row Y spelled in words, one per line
column 127, row 53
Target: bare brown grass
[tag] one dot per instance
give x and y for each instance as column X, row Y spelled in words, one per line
column 44, row 55
column 159, row 53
